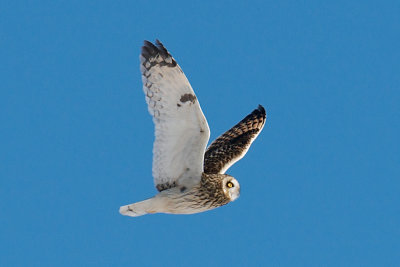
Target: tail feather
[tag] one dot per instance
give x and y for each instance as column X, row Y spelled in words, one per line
column 137, row 209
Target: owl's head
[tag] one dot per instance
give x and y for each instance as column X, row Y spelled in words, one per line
column 231, row 187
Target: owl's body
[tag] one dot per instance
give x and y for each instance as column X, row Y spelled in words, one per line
column 211, row 192
column 190, row 178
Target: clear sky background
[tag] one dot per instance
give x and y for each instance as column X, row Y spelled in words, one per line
column 320, row 185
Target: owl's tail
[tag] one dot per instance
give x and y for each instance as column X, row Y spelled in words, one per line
column 138, row 208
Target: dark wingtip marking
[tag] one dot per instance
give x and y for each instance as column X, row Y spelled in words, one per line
column 149, row 50
column 161, row 49
column 260, row 111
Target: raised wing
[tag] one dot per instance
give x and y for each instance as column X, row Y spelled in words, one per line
column 234, row 144
column 181, row 130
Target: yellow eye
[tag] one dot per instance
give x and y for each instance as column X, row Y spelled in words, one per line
column 229, row 184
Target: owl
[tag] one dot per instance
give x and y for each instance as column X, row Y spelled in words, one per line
column 189, row 177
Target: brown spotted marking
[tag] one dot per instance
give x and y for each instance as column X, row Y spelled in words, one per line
column 188, row 97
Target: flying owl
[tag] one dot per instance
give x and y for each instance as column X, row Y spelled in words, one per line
column 189, row 178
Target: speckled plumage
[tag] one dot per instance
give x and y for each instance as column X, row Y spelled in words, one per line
column 234, row 143
column 189, row 179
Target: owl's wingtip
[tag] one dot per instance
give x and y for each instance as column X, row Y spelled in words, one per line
column 261, row 108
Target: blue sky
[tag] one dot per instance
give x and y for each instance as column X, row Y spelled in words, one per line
column 320, row 185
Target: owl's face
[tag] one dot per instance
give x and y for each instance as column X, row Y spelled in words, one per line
column 231, row 187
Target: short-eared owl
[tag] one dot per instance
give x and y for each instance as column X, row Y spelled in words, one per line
column 189, row 178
